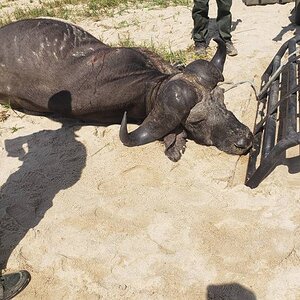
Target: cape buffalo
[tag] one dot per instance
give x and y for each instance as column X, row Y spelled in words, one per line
column 49, row 66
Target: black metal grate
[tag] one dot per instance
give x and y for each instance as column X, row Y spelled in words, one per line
column 277, row 122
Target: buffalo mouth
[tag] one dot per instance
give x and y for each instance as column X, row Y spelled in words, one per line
column 243, row 145
column 239, row 147
column 230, row 145
column 236, row 150
column 243, row 150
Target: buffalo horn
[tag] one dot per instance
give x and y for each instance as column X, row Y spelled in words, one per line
column 219, row 58
column 142, row 135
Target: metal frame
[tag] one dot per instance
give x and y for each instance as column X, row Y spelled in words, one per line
column 277, row 119
column 264, row 2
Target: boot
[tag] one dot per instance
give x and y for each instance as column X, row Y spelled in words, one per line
column 12, row 284
column 200, row 48
column 230, row 49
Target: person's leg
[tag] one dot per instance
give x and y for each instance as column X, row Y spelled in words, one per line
column 224, row 20
column 200, row 30
column 12, row 284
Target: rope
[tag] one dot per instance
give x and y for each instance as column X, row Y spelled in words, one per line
column 271, row 79
column 234, row 85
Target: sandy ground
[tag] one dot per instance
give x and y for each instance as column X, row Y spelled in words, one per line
column 127, row 223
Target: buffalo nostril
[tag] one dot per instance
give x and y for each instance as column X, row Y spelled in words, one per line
column 242, row 143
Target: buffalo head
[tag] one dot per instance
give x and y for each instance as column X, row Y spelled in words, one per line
column 191, row 99
column 210, row 123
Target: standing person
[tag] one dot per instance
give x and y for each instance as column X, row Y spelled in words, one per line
column 201, row 20
column 12, row 284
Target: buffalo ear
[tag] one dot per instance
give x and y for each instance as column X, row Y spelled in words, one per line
column 218, row 94
column 197, row 114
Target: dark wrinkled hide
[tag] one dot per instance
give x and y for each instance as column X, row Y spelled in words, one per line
column 45, row 64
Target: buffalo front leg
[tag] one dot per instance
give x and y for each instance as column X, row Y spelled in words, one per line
column 175, row 144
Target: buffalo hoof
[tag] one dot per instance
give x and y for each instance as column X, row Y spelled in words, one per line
column 175, row 144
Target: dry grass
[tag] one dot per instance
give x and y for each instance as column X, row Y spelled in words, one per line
column 4, row 115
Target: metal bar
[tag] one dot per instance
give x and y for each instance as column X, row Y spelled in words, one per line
column 255, row 150
column 298, row 66
column 282, row 101
column 280, row 92
column 271, row 160
column 281, row 68
column 270, row 125
column 292, row 101
column 280, row 53
column 283, row 106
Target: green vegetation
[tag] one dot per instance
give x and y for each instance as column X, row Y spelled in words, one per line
column 179, row 56
column 6, row 106
column 15, row 128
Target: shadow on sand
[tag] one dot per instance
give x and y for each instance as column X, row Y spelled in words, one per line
column 53, row 160
column 213, row 30
column 290, row 27
column 230, row 291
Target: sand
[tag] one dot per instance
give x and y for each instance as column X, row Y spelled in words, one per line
column 127, row 223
